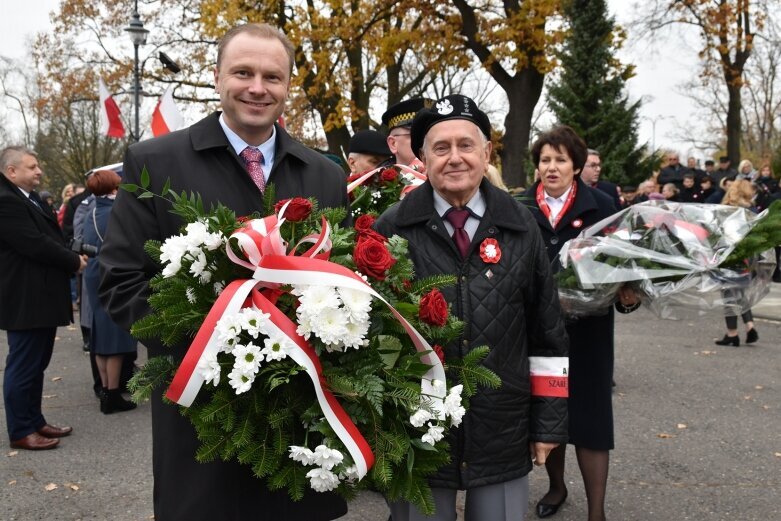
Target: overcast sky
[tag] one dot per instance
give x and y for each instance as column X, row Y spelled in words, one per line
column 661, row 68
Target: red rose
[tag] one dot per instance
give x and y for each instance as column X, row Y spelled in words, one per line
column 371, row 256
column 297, row 211
column 440, row 352
column 389, row 175
column 373, row 234
column 364, row 223
column 433, row 308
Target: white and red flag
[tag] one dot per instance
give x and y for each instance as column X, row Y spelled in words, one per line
column 166, row 117
column 110, row 122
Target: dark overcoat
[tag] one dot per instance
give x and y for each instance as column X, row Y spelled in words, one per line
column 35, row 265
column 510, row 306
column 591, row 338
column 200, row 159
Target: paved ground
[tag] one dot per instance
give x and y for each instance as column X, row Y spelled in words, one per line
column 697, row 430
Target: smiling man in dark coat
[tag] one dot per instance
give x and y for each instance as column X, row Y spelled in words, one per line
column 228, row 158
column 457, row 223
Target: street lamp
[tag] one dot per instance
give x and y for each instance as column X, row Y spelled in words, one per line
column 138, row 36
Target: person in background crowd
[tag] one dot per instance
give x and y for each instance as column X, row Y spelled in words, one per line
column 724, row 170
column 670, row 192
column 563, row 206
column 107, row 340
column 67, row 193
column 228, row 157
column 673, row 172
column 746, row 170
column 710, row 167
column 644, row 190
column 768, row 191
column 398, row 118
column 706, row 189
column 448, row 221
column 740, row 193
column 368, row 149
column 690, row 192
column 495, row 177
column 718, row 194
column 629, row 193
column 35, row 266
column 591, row 176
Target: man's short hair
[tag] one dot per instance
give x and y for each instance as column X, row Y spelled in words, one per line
column 259, row 31
column 593, row 152
column 688, row 175
column 562, row 137
column 10, row 156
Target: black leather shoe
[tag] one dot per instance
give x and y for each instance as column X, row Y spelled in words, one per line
column 546, row 510
column 729, row 341
column 752, row 336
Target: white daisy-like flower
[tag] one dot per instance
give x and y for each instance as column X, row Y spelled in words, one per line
column 214, row 241
column 199, row 264
column 322, row 480
column 228, row 330
column 209, row 368
column 433, row 435
column 190, row 294
column 240, row 380
column 253, row 321
column 277, row 348
column 420, row 417
column 302, row 455
column 248, row 358
column 327, row 458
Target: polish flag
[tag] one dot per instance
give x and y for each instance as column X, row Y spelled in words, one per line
column 166, row 117
column 110, row 122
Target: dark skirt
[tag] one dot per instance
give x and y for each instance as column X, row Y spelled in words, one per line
column 590, row 382
column 106, row 337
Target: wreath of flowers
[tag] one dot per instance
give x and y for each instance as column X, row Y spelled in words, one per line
column 258, row 398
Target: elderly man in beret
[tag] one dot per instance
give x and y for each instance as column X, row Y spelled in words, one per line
column 457, row 223
column 367, row 151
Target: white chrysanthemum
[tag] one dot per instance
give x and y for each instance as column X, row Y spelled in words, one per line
column 316, row 298
column 330, row 325
column 322, row 480
column 228, row 329
column 198, row 266
column 190, row 294
column 209, row 368
column 240, row 380
column 172, row 268
column 253, row 321
column 349, row 474
column 218, row 287
column 196, row 234
column 214, row 241
column 453, row 407
column 420, row 417
column 355, row 334
column 277, row 347
column 357, row 303
column 173, row 249
column 327, row 458
column 302, row 455
column 248, row 358
column 433, row 435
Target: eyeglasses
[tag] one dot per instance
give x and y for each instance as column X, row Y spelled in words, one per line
column 595, row 166
column 403, row 134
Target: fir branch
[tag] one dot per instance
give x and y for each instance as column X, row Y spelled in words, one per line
column 156, row 372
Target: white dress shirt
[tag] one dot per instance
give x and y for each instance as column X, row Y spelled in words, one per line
column 266, row 148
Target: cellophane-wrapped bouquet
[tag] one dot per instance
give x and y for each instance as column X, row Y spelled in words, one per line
column 315, row 355
column 680, row 258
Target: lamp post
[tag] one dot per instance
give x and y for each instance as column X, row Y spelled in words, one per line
column 138, row 36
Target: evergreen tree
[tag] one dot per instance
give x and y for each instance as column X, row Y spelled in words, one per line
column 589, row 93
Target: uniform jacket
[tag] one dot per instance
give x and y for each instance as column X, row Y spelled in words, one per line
column 35, row 265
column 200, row 159
column 512, row 307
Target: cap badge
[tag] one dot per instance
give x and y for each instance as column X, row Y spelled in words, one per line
column 444, row 107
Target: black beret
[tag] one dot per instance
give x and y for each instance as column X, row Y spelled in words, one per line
column 401, row 114
column 369, row 142
column 454, row 106
column 723, row 159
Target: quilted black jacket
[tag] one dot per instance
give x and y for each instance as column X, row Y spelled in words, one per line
column 512, row 307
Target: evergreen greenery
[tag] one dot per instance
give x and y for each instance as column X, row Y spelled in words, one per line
column 589, row 93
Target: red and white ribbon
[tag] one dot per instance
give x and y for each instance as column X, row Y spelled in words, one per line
column 549, row 376
column 262, row 245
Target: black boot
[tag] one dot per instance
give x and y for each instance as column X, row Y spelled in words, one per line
column 729, row 341
column 102, row 394
column 115, row 402
column 752, row 336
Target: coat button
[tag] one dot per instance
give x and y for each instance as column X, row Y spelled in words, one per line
column 492, row 230
column 464, row 465
column 554, row 240
column 465, row 343
column 434, row 227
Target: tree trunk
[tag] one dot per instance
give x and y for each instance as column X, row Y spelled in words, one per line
column 523, row 93
column 733, row 123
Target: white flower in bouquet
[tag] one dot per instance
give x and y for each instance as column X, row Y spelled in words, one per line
column 453, row 407
column 214, row 241
column 218, row 287
column 228, row 329
column 327, row 458
column 171, row 253
column 190, row 294
column 198, row 267
column 420, row 417
column 438, row 385
column 433, row 435
column 316, row 298
column 196, row 234
column 248, row 358
column 240, row 380
column 253, row 321
column 355, row 334
column 329, row 325
column 322, row 480
column 349, row 474
column 209, row 368
column 357, row 303
column 302, row 455
column 276, row 348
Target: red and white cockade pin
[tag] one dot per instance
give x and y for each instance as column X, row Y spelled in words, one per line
column 577, row 223
column 490, row 251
